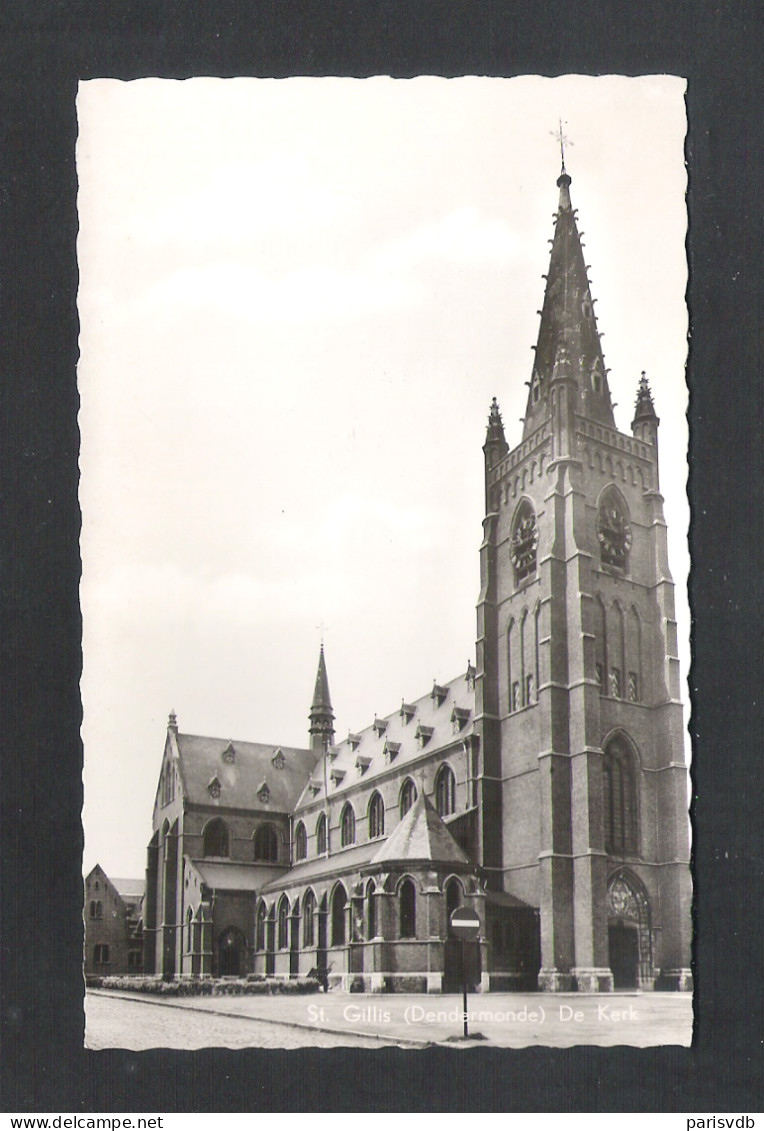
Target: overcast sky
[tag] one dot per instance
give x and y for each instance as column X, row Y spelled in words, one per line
column 297, row 299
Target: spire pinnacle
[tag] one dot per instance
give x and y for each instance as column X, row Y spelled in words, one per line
column 644, row 409
column 568, row 321
column 321, row 714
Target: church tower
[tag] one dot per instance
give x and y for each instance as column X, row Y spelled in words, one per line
column 582, row 786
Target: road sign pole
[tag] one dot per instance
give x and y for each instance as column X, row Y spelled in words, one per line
column 465, row 925
column 464, row 989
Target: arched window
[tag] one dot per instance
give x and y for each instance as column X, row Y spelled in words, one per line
column 445, row 791
column 347, row 825
column 321, row 834
column 613, row 530
column 189, row 930
column 96, row 909
column 376, row 816
column 619, row 799
column 308, row 914
column 407, row 909
column 216, row 839
column 300, row 842
column 260, row 927
column 408, row 796
column 523, row 541
column 266, row 843
column 371, row 911
column 339, row 900
column 454, row 896
column 283, row 924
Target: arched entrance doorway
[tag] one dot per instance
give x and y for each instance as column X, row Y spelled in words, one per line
column 232, row 952
column 629, row 932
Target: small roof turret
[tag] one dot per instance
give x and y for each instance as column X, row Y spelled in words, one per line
column 644, row 409
column 321, row 713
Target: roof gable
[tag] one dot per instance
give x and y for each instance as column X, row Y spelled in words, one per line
column 255, row 778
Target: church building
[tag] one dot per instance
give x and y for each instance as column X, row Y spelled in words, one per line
column 544, row 787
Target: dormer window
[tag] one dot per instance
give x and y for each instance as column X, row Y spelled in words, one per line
column 229, row 754
column 392, row 749
column 459, row 717
column 380, row 726
column 278, row 761
column 337, row 775
column 264, row 793
column 523, row 542
column 423, row 735
column 438, row 693
column 213, row 787
column 408, row 710
column 354, row 740
column 470, row 676
column 362, row 763
column 314, row 786
column 332, row 751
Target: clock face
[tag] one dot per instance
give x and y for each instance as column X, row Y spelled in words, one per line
column 523, row 546
column 614, row 536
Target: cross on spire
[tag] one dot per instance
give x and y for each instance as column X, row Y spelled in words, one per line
column 562, row 139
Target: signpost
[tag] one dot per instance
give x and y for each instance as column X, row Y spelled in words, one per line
column 465, row 924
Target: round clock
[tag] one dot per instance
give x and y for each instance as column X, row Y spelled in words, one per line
column 523, row 545
column 613, row 535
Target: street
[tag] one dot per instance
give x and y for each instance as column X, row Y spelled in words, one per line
column 337, row 1019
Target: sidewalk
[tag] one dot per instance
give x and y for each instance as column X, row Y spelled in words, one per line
column 504, row 1020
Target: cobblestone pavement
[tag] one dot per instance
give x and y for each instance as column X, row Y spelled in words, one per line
column 370, row 1021
column 117, row 1022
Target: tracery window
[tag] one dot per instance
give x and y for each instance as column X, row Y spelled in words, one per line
column 619, row 799
column 283, row 924
column 321, row 835
column 407, row 909
column 408, row 796
column 216, row 839
column 347, row 826
column 445, row 791
column 266, row 844
column 376, row 816
column 300, row 842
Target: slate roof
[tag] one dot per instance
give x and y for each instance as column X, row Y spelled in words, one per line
column 130, row 889
column 421, row 837
column 347, row 859
column 201, row 760
column 431, row 711
column 234, row 876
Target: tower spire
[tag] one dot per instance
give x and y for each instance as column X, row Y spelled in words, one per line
column 568, row 321
column 321, row 713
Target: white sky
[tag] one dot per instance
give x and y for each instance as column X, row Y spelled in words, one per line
column 297, row 298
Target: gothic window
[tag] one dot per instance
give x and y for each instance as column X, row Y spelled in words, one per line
column 523, row 541
column 445, row 791
column 633, row 688
column 408, row 796
column 376, row 816
column 371, row 911
column 599, row 673
column 96, row 909
column 266, row 844
column 347, row 826
column 454, row 896
column 260, row 928
column 619, row 800
column 216, row 839
column 528, row 690
column 615, row 683
column 339, row 901
column 613, row 530
column 516, row 695
column 407, row 909
column 283, row 924
column 321, row 835
column 300, row 842
column 308, row 912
